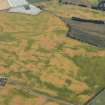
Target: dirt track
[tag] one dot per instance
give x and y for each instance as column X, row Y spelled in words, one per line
column 17, row 85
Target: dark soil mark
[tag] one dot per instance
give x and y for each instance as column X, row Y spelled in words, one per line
column 89, row 31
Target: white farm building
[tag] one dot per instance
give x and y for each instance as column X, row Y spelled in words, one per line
column 19, row 6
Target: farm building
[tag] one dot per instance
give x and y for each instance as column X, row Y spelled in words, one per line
column 19, row 6
column 90, row 31
column 30, row 9
column 6, row 4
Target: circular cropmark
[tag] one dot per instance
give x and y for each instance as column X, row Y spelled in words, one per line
column 101, row 5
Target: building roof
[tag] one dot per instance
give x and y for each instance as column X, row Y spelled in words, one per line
column 19, row 6
column 30, row 9
column 4, row 4
column 15, row 3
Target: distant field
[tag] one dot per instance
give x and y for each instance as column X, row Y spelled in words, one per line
column 37, row 1
column 35, row 52
column 71, row 11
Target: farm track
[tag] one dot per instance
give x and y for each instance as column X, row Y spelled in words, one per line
column 34, row 92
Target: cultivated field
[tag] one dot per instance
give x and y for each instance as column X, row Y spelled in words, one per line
column 48, row 68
